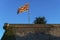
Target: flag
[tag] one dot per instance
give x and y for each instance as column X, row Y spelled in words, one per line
column 23, row 8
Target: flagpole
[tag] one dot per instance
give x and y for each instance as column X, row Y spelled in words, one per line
column 28, row 17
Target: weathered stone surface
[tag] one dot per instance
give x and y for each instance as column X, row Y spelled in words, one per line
column 24, row 29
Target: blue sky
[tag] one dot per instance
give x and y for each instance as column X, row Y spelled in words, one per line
column 48, row 8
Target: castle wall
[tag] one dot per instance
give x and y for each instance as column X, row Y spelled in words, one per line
column 24, row 29
column 55, row 31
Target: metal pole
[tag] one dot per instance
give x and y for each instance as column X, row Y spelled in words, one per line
column 28, row 17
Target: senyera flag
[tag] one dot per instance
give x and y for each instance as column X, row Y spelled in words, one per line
column 23, row 8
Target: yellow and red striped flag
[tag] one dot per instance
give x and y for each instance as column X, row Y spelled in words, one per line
column 23, row 8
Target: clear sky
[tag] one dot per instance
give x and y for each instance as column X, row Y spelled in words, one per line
column 48, row 8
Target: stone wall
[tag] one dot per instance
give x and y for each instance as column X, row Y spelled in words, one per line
column 23, row 29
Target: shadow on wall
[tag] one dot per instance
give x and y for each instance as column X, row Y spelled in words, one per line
column 6, row 37
column 31, row 36
column 38, row 36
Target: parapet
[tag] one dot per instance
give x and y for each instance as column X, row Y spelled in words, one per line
column 26, row 28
